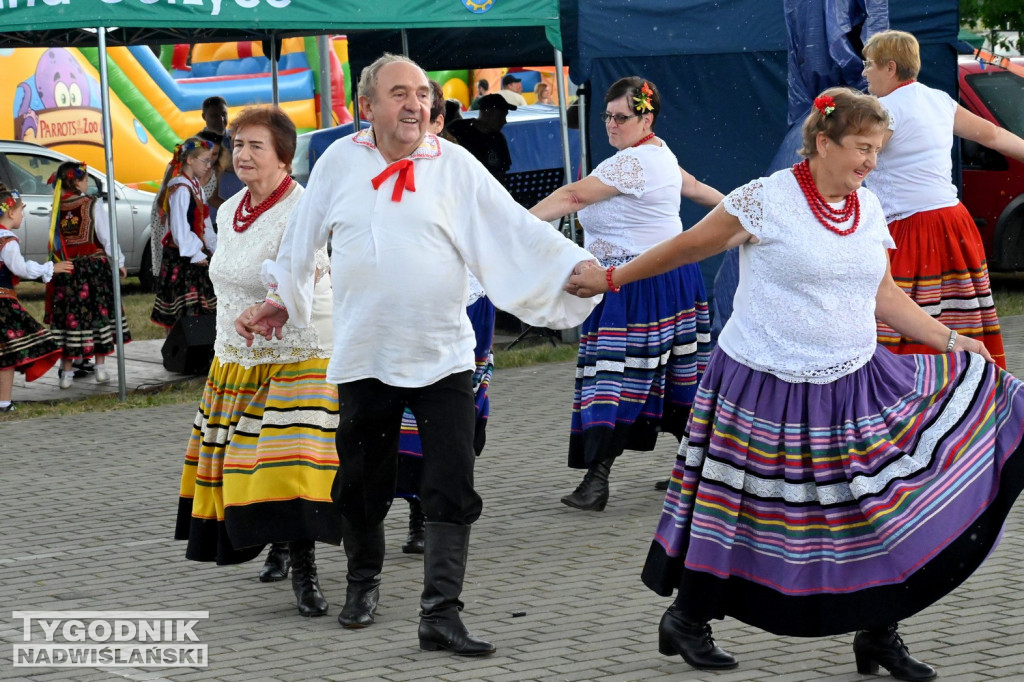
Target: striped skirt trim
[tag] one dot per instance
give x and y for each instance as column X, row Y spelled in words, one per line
column 811, row 510
column 260, row 461
column 939, row 262
column 642, row 353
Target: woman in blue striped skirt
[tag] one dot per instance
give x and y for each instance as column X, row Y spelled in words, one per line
column 824, row 484
column 643, row 349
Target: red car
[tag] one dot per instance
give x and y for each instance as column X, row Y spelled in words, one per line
column 993, row 184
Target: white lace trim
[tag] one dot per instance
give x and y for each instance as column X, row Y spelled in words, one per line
column 235, row 272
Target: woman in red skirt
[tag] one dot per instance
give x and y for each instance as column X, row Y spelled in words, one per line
column 939, row 258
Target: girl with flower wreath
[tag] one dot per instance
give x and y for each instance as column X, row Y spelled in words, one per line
column 825, row 484
column 25, row 345
column 80, row 303
column 186, row 232
column 643, row 349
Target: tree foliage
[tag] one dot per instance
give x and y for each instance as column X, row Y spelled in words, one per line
column 991, row 16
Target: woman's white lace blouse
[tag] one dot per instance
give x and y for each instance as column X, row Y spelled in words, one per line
column 804, row 309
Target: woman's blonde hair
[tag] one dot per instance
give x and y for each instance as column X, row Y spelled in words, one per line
column 896, row 46
column 851, row 113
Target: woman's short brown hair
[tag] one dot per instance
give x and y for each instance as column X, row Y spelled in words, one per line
column 630, row 87
column 282, row 130
column 854, row 113
column 896, row 46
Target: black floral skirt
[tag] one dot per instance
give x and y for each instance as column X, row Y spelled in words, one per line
column 81, row 311
column 25, row 345
column 183, row 290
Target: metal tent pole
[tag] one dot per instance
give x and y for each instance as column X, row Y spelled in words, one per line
column 326, row 94
column 563, row 117
column 108, row 152
column 273, row 69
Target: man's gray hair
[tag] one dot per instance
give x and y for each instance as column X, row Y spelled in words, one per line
column 368, row 79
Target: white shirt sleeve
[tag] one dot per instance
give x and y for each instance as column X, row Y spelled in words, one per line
column 521, row 260
column 293, row 273
column 210, row 235
column 26, row 269
column 189, row 245
column 102, row 225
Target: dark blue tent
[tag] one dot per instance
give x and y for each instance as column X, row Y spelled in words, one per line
column 722, row 71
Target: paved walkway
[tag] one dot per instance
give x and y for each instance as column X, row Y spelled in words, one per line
column 88, row 514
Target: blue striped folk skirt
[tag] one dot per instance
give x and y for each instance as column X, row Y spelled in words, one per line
column 260, row 461
column 410, row 451
column 817, row 509
column 642, row 353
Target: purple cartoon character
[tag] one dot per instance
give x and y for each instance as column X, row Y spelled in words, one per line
column 59, row 81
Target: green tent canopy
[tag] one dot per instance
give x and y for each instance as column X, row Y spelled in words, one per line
column 132, row 22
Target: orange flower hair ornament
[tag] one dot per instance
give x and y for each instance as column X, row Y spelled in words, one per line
column 825, row 104
column 643, row 99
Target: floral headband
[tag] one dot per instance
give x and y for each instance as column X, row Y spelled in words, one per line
column 182, row 150
column 69, row 175
column 10, row 203
column 825, row 104
column 643, row 99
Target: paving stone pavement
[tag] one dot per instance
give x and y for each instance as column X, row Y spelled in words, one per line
column 89, row 502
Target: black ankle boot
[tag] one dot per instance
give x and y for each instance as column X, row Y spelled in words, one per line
column 444, row 568
column 592, row 492
column 414, row 543
column 364, row 548
column 691, row 640
column 277, row 564
column 308, row 597
column 884, row 647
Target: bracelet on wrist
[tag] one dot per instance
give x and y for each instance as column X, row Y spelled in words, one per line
column 952, row 340
column 608, row 278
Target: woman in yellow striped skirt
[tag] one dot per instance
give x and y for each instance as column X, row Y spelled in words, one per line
column 261, row 458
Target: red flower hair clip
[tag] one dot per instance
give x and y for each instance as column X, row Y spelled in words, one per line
column 10, row 203
column 825, row 104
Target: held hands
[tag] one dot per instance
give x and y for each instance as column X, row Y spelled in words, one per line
column 587, row 280
column 263, row 319
column 62, row 267
column 972, row 345
column 123, row 271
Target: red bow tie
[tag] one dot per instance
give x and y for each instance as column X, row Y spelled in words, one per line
column 405, row 178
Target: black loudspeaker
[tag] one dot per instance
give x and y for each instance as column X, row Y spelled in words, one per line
column 188, row 348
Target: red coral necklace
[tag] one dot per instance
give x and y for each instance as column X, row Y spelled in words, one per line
column 643, row 139
column 246, row 215
column 830, row 218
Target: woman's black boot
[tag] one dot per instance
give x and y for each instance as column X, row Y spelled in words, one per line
column 364, row 548
column 592, row 492
column 884, row 647
column 277, row 564
column 308, row 597
column 444, row 569
column 692, row 640
column 414, row 543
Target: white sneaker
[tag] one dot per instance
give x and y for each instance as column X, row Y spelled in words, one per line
column 102, row 375
column 65, row 378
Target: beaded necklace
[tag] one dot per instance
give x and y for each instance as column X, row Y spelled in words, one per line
column 245, row 214
column 902, row 84
column 645, row 138
column 830, row 218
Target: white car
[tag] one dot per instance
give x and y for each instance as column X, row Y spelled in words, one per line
column 26, row 167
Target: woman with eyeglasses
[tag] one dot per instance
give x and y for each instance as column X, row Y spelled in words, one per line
column 939, row 258
column 80, row 304
column 187, row 235
column 644, row 348
column 825, row 485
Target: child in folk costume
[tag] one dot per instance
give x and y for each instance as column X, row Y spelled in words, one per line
column 183, row 287
column 25, row 345
column 80, row 303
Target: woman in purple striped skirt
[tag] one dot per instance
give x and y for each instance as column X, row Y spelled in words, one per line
column 825, row 485
column 642, row 350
